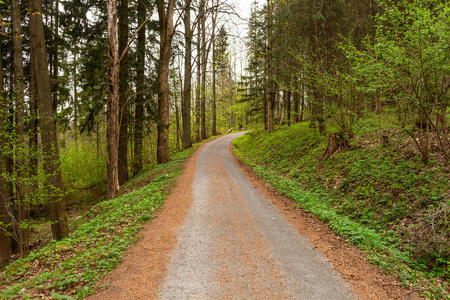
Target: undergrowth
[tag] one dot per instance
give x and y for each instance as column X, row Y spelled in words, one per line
column 70, row 268
column 380, row 198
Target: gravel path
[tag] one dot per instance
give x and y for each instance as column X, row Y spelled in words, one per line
column 223, row 235
column 236, row 245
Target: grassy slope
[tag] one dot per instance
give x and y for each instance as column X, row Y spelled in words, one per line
column 381, row 198
column 70, row 268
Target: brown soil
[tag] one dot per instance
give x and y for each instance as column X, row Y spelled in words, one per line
column 367, row 281
column 145, row 264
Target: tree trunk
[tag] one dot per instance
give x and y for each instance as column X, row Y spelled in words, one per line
column 303, row 110
column 123, row 93
column 75, row 97
column 112, row 93
column 177, row 115
column 55, row 63
column 197, row 90
column 296, row 107
column 5, row 190
column 33, row 135
column 214, row 109
column 20, row 144
column 139, row 106
column 270, row 84
column 358, row 28
column 186, row 107
column 204, row 57
column 58, row 214
column 166, row 33
column 288, row 107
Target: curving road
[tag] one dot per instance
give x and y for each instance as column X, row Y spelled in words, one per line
column 236, row 245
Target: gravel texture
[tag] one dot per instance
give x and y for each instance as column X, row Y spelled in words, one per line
column 225, row 234
column 236, row 245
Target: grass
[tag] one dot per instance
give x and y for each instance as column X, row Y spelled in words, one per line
column 69, row 269
column 380, row 198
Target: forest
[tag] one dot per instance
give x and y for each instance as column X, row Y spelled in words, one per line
column 346, row 100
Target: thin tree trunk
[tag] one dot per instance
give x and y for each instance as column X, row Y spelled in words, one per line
column 75, row 97
column 166, row 33
column 270, row 84
column 112, row 130
column 186, row 107
column 197, row 91
column 358, row 28
column 139, row 106
column 20, row 145
column 55, row 84
column 303, row 109
column 5, row 190
column 214, row 109
column 177, row 114
column 123, row 93
column 33, row 133
column 296, row 107
column 204, row 57
column 58, row 214
column 288, row 108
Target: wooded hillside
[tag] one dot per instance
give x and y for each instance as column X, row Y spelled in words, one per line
column 93, row 93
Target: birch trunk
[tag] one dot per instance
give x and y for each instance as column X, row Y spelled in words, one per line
column 112, row 130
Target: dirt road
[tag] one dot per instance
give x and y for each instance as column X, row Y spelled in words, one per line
column 236, row 245
column 219, row 237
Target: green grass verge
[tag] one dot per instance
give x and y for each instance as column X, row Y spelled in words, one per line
column 366, row 195
column 69, row 269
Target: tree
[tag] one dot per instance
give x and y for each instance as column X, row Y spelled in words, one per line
column 222, row 67
column 19, row 141
column 123, row 93
column 203, row 61
column 140, row 85
column 57, row 209
column 112, row 133
column 409, row 59
column 5, row 190
column 255, row 81
column 270, row 80
column 186, row 107
column 167, row 30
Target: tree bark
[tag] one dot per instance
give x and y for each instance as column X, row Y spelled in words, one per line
column 186, row 107
column 288, row 108
column 166, row 35
column 75, row 98
column 214, row 109
column 139, row 106
column 270, row 83
column 57, row 206
column 177, row 114
column 55, row 62
column 5, row 190
column 197, row 90
column 296, row 107
column 123, row 93
column 112, row 130
column 204, row 57
column 20, row 145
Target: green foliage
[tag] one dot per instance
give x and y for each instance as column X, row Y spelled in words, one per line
column 375, row 196
column 408, row 62
column 82, row 166
column 70, row 268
